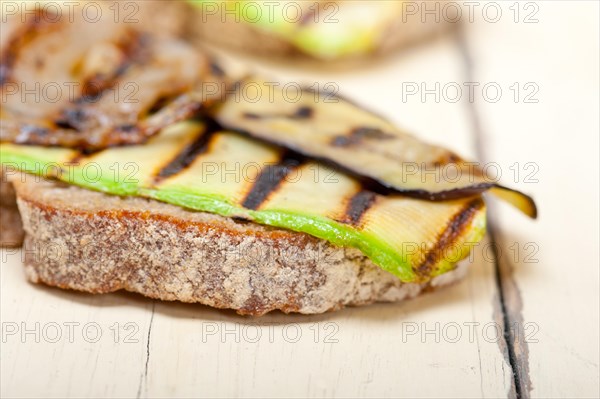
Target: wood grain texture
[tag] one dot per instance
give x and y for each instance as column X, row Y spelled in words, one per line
column 188, row 350
column 548, row 269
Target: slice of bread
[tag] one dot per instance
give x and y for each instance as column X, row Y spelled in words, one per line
column 88, row 241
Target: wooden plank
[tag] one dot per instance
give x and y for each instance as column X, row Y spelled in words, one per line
column 67, row 344
column 378, row 351
column 549, row 268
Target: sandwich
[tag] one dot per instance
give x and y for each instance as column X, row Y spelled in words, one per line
column 199, row 193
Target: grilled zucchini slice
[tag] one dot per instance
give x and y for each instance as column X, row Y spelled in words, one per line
column 222, row 172
column 335, row 130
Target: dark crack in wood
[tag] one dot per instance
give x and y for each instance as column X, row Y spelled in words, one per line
column 510, row 305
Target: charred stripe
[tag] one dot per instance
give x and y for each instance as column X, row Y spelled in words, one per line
column 132, row 47
column 185, row 158
column 269, row 180
column 453, row 230
column 216, row 69
column 358, row 205
column 359, row 134
column 77, row 116
column 303, row 112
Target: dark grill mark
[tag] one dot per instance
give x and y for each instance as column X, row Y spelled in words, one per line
column 188, row 154
column 132, row 48
column 454, row 229
column 371, row 133
column 252, row 115
column 342, row 141
column 64, row 124
column 128, row 128
column 93, row 88
column 269, row 181
column 358, row 205
column 71, row 118
column 359, row 134
column 75, row 117
column 368, row 182
column 159, row 104
column 216, row 69
column 301, row 113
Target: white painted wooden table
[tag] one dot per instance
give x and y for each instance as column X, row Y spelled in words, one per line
column 543, row 278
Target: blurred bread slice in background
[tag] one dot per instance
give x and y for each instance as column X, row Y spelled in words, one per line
column 323, row 30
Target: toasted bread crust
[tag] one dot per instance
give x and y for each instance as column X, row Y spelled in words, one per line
column 88, row 241
column 11, row 229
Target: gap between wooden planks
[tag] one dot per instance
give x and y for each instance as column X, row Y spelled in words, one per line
column 510, row 303
column 557, row 134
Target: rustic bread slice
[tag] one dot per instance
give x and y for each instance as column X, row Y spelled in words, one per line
column 89, row 241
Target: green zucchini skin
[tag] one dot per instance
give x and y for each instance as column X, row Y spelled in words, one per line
column 228, row 174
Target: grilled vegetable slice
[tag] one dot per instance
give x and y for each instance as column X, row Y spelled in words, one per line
column 199, row 167
column 335, row 130
column 69, row 82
